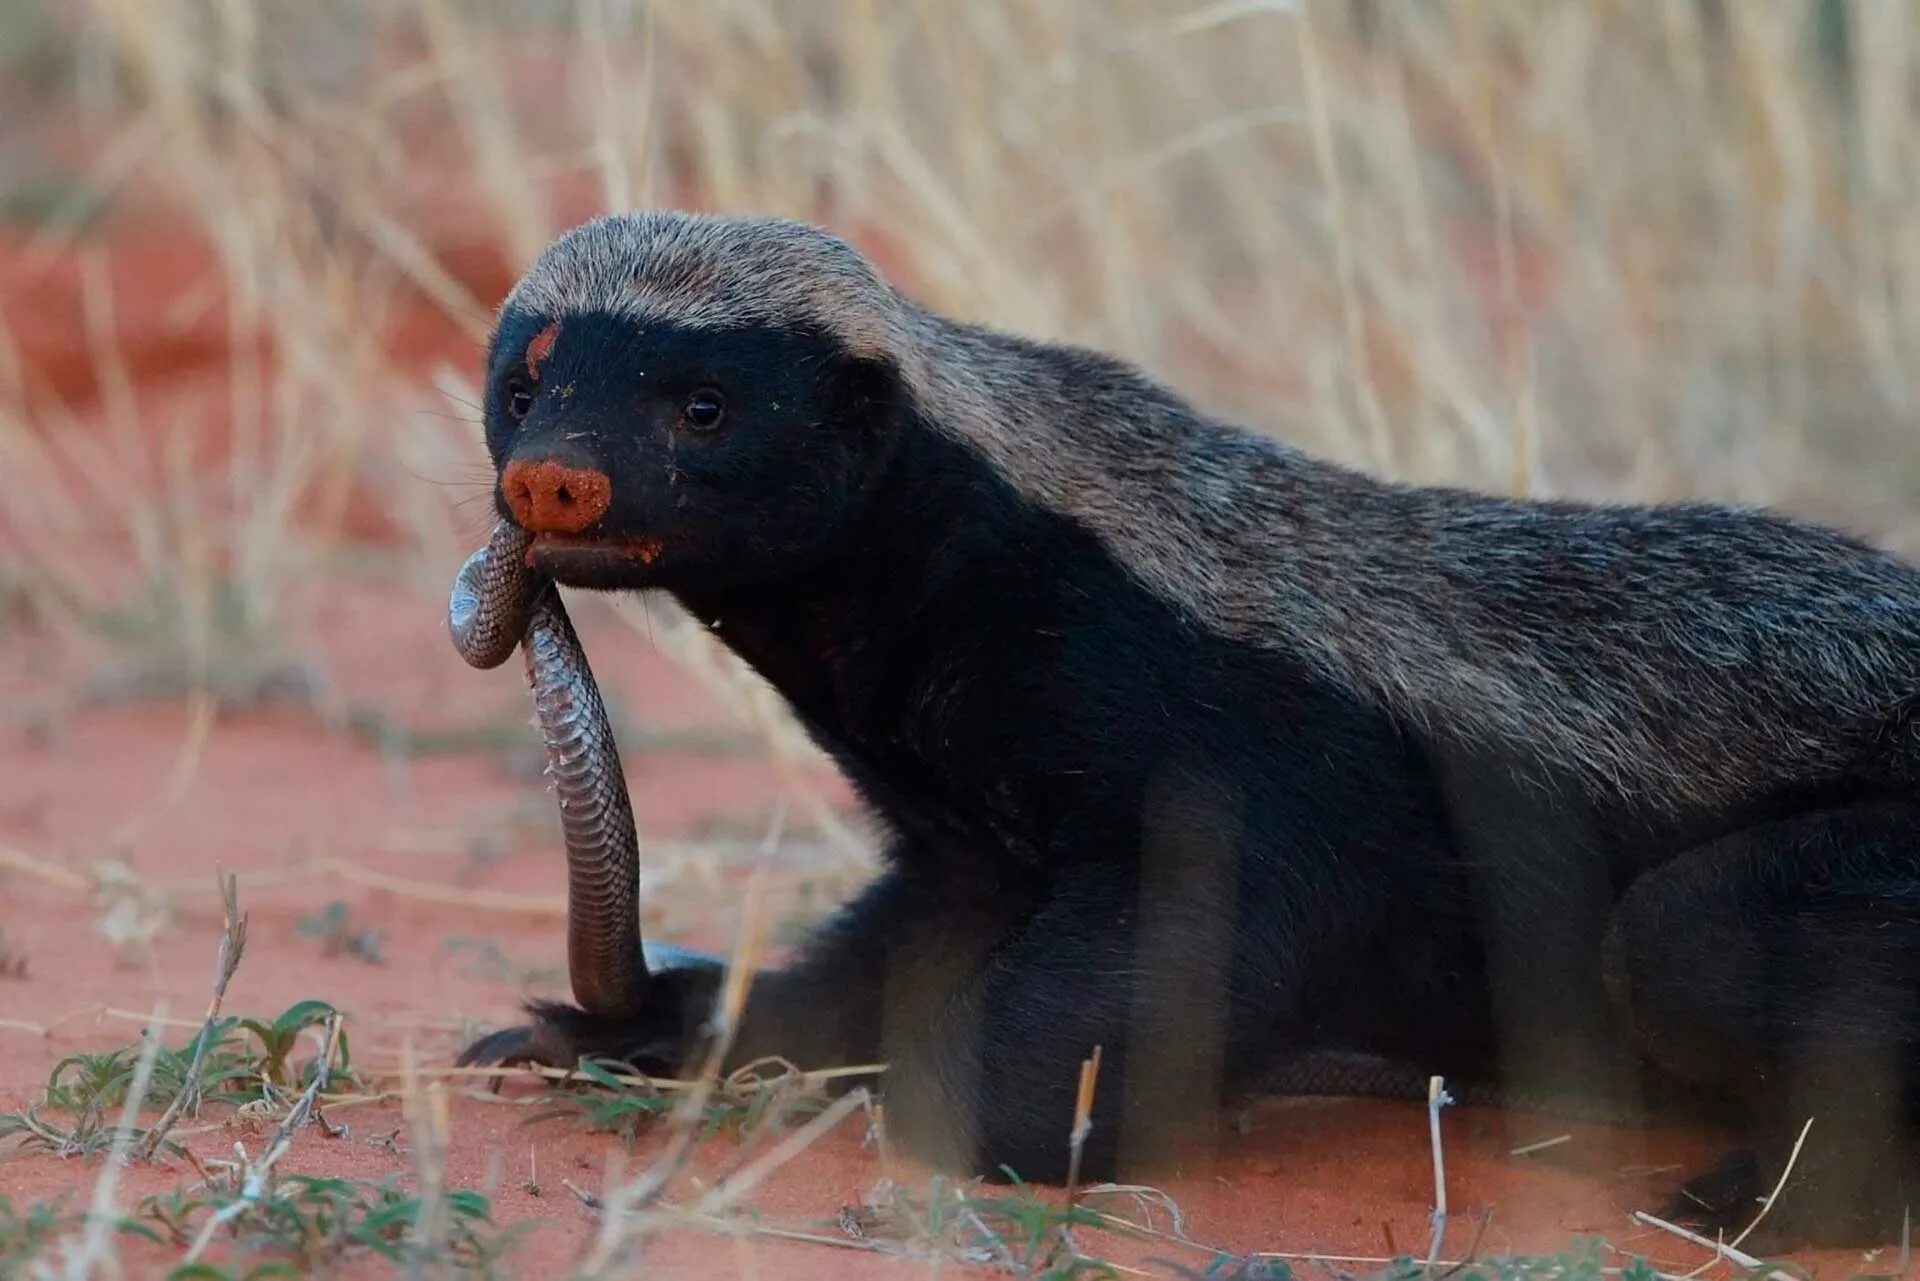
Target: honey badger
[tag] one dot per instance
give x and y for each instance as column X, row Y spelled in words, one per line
column 1208, row 753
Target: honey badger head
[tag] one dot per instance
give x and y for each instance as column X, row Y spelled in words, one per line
column 675, row 399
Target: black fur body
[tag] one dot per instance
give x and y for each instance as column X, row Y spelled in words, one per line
column 1207, row 753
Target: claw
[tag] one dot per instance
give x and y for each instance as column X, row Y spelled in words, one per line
column 533, row 1044
column 558, row 1035
column 1716, row 1200
column 1813, row 1211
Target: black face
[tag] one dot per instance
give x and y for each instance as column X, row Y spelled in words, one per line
column 729, row 457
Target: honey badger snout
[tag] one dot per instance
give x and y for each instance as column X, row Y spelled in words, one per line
column 555, row 496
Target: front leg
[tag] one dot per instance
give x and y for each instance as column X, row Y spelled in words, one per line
column 984, row 1000
column 984, row 1071
column 826, row 1009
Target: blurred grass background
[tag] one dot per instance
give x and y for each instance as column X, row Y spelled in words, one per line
column 249, row 248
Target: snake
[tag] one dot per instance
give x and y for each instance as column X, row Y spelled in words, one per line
column 500, row 603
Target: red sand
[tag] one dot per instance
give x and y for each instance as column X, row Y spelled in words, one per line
column 269, row 792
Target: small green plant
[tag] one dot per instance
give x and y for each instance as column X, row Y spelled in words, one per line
column 1033, row 1231
column 243, row 1057
column 85, row 1088
column 617, row 1107
column 279, row 1038
column 26, row 1233
column 1581, row 1261
column 1227, row 1267
column 333, row 926
column 1017, row 1231
column 13, row 962
column 620, row 1106
column 308, row 1224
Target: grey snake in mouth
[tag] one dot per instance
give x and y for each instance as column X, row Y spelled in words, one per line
column 499, row 603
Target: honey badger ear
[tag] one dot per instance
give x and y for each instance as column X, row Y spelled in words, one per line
column 863, row 392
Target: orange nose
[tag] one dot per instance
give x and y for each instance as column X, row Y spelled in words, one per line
column 552, row 498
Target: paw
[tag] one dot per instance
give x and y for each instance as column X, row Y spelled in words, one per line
column 1721, row 1202
column 658, row 1041
column 1824, row 1205
column 558, row 1036
column 538, row 1044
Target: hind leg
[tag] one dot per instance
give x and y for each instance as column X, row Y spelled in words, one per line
column 1781, row 965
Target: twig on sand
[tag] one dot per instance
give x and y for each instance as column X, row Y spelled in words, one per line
column 42, row 869
column 1721, row 1249
column 1540, row 1145
column 328, row 867
column 233, row 942
column 668, row 1084
column 99, row 1010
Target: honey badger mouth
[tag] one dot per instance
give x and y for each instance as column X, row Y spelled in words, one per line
column 602, row 563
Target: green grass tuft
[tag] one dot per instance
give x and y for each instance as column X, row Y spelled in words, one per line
column 25, row 1234
column 246, row 1059
column 307, row 1224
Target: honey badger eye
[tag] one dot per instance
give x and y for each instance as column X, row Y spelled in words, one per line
column 519, row 399
column 703, row 411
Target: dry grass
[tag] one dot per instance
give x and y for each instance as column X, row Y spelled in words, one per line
column 1607, row 250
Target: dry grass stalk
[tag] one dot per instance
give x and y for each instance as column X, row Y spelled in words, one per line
column 1540, row 1145
column 623, row 1205
column 426, row 1112
column 258, row 1172
column 1730, row 1250
column 1437, row 1098
column 1082, row 1121
column 1786, row 1172
column 738, row 1186
column 1665, row 300
column 1721, row 1250
column 805, row 1079
column 96, row 1252
column 233, row 943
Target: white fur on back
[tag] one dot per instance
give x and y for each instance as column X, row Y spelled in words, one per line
column 1674, row 655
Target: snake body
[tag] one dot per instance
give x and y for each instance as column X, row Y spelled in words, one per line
column 499, row 603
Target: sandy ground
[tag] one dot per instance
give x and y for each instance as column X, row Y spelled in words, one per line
column 283, row 798
column 274, row 791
